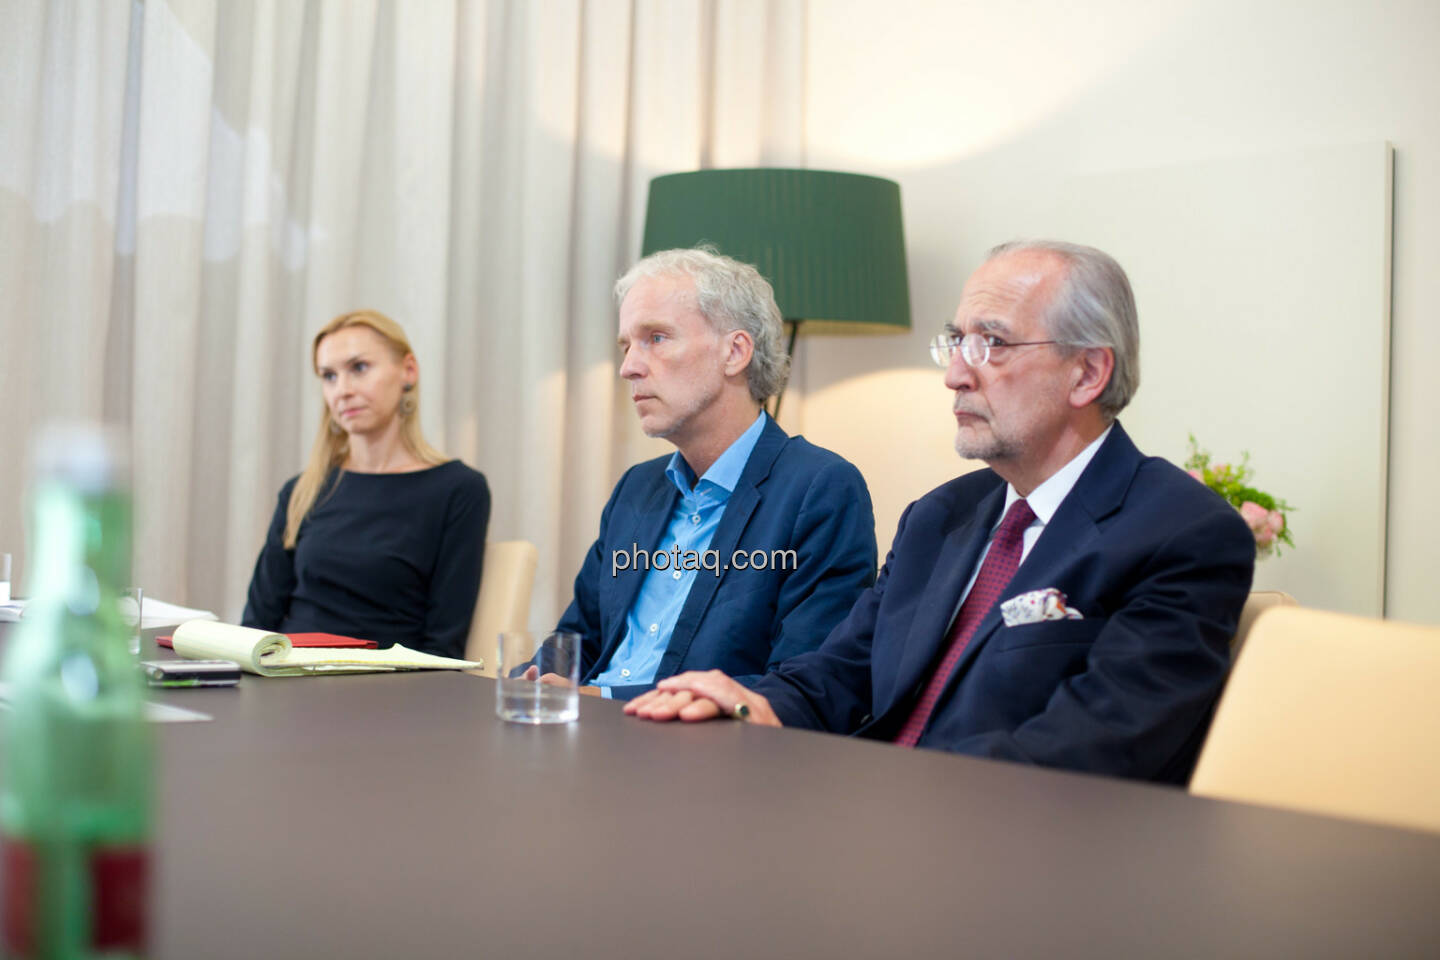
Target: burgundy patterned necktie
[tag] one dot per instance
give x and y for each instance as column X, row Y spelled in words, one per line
column 995, row 573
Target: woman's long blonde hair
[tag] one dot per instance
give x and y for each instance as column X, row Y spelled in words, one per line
column 332, row 443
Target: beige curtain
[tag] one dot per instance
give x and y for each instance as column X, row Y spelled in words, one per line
column 189, row 188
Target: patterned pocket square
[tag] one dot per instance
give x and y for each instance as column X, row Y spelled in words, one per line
column 1037, row 605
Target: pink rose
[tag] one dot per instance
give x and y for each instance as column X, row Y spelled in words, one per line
column 1275, row 523
column 1256, row 516
column 1258, row 519
column 1197, row 475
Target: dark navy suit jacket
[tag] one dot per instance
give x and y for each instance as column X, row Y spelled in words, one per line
column 792, row 495
column 1158, row 565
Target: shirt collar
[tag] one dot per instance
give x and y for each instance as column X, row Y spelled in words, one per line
column 725, row 471
column 1045, row 499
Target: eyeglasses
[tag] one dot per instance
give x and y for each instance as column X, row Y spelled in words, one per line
column 974, row 347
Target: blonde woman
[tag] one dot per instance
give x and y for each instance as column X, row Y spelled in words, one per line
column 381, row 537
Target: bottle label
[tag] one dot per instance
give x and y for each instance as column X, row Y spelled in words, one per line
column 120, row 879
column 119, row 884
column 17, row 861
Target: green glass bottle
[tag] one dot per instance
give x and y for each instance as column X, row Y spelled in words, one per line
column 75, row 810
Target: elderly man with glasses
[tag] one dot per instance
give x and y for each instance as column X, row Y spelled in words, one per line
column 1070, row 606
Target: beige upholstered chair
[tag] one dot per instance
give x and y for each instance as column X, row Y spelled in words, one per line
column 1331, row 714
column 504, row 602
column 1257, row 603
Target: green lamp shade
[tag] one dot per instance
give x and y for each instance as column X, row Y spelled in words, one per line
column 831, row 244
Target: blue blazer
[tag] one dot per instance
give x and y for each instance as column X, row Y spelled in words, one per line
column 1158, row 565
column 791, row 495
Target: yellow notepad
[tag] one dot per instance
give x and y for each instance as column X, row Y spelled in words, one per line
column 271, row 655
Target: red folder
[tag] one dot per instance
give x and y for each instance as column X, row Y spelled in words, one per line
column 307, row 640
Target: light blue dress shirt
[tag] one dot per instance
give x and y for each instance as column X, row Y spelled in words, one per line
column 662, row 595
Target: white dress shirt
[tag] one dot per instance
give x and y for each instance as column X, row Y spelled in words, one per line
column 1044, row 500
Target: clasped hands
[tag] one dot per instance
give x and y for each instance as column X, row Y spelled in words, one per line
column 701, row 695
column 693, row 696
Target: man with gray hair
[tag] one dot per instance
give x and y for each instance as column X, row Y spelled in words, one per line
column 1072, row 605
column 744, row 547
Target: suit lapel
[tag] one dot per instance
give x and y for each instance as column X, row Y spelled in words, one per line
column 643, row 527
column 738, row 510
column 1099, row 491
column 952, row 570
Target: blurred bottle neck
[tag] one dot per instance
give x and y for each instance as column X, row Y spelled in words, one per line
column 81, row 548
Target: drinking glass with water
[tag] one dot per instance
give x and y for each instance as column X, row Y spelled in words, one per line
column 538, row 677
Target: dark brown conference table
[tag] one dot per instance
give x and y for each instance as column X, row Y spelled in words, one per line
column 395, row 816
